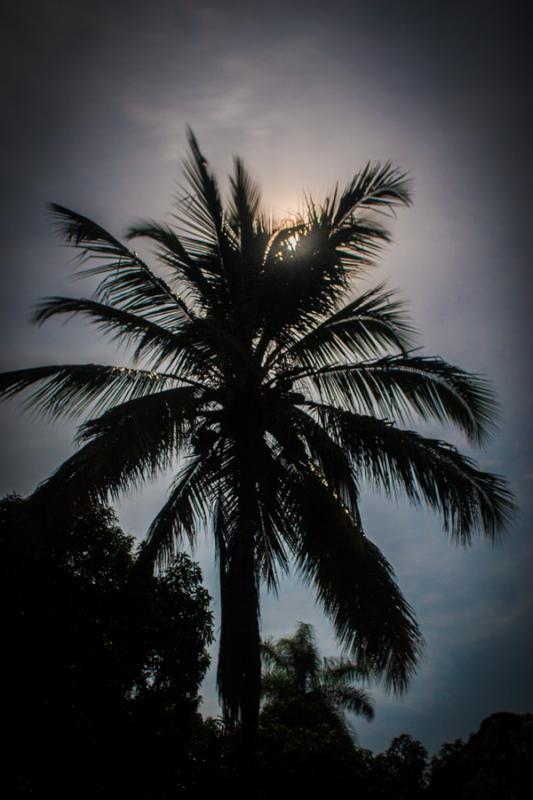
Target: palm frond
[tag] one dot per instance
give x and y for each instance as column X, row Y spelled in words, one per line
column 276, row 685
column 70, row 390
column 377, row 187
column 85, row 234
column 364, row 328
column 350, row 698
column 326, row 454
column 195, row 272
column 201, row 207
column 127, row 283
column 124, row 326
column 307, row 276
column 339, row 671
column 280, row 241
column 271, row 553
column 186, row 508
column 186, row 351
column 427, row 470
column 244, row 207
column 271, row 656
column 402, row 387
column 352, row 579
column 356, row 587
column 359, row 245
column 127, row 445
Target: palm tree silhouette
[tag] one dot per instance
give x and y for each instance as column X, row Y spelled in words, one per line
column 299, row 678
column 273, row 391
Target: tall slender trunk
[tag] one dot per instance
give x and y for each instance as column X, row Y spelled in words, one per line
column 239, row 669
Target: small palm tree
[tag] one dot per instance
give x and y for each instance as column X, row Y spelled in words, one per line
column 272, row 389
column 300, row 679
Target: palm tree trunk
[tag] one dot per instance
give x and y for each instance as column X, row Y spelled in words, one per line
column 239, row 668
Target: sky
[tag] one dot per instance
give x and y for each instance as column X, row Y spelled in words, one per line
column 96, row 98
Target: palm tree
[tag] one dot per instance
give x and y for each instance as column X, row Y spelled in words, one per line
column 273, row 390
column 298, row 678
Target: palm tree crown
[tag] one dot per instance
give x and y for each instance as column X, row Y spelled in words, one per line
column 273, row 390
column 298, row 676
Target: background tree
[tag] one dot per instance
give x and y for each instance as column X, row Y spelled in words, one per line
column 400, row 772
column 303, row 685
column 306, row 744
column 100, row 663
column 274, row 389
column 443, row 770
column 495, row 762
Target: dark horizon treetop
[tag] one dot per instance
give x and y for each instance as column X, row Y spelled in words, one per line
column 274, row 390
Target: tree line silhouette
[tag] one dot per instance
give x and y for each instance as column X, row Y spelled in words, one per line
column 102, row 670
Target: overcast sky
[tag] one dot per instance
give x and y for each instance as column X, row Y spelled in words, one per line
column 96, row 100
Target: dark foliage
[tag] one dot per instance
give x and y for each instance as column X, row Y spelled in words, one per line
column 400, row 772
column 444, row 768
column 496, row 763
column 311, row 754
column 102, row 663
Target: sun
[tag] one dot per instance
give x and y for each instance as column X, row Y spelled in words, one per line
column 292, row 242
